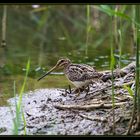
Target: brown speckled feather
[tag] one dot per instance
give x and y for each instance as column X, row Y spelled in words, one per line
column 80, row 72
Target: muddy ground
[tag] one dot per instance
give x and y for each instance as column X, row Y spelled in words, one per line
column 59, row 112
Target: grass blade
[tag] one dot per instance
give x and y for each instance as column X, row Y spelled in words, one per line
column 19, row 111
column 130, row 91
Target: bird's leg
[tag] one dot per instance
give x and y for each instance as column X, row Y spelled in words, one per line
column 66, row 91
column 75, row 90
column 81, row 89
column 78, row 91
column 69, row 91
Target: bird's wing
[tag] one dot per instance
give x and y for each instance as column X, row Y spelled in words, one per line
column 80, row 72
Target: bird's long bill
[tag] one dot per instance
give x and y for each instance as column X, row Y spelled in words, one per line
column 46, row 73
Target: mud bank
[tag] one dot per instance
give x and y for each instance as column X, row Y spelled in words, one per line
column 57, row 112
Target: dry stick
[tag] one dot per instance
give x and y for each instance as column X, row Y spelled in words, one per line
column 97, row 118
column 109, row 86
column 93, row 118
column 122, row 72
column 88, row 107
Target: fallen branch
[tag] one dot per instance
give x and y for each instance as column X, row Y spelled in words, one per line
column 109, row 86
column 88, row 107
column 117, row 73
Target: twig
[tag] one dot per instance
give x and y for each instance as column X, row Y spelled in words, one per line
column 123, row 99
column 109, row 86
column 88, row 107
column 125, row 70
column 93, row 118
column 125, row 84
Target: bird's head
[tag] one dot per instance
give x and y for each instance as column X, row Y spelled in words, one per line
column 61, row 63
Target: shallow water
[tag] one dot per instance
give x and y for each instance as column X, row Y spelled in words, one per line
column 55, row 80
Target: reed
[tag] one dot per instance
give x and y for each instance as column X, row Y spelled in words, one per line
column 87, row 28
column 112, row 64
column 136, row 105
column 137, row 96
column 4, row 25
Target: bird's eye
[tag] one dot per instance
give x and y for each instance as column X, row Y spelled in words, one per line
column 62, row 61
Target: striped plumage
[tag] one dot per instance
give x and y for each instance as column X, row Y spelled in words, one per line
column 80, row 73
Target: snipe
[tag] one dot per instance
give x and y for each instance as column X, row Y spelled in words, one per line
column 80, row 75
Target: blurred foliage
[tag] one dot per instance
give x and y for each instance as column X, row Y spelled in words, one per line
column 44, row 33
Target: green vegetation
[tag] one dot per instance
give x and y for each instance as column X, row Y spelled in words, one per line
column 136, row 106
column 100, row 35
column 36, row 35
column 19, row 111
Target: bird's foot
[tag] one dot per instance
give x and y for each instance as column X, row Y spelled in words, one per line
column 77, row 91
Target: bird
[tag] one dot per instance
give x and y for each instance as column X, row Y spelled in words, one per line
column 80, row 75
